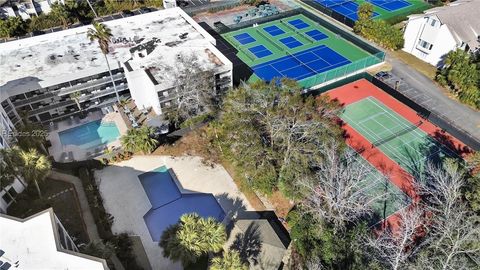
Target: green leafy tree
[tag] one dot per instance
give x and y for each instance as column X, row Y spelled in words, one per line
column 102, row 34
column 272, row 133
column 11, row 163
column 230, row 260
column 35, row 167
column 33, row 135
column 472, row 188
column 60, row 12
column 192, row 238
column 377, row 30
column 11, row 27
column 364, row 22
column 462, row 74
column 139, row 139
column 320, row 242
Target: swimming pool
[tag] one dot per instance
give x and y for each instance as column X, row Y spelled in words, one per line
column 169, row 204
column 90, row 135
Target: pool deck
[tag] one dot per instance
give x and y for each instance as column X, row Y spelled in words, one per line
column 58, row 148
column 125, row 198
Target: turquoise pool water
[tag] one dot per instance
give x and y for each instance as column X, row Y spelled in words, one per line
column 90, row 135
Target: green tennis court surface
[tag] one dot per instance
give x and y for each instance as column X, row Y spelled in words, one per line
column 396, row 137
column 387, row 198
column 298, row 48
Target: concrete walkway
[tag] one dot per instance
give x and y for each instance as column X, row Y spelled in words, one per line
column 85, row 208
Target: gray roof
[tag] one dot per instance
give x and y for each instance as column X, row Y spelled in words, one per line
column 462, row 17
column 258, row 243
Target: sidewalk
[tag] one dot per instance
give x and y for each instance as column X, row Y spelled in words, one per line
column 86, row 213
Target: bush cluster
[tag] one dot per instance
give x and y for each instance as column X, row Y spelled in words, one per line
column 378, row 31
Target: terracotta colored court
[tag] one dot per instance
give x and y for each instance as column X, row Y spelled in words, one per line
column 362, row 89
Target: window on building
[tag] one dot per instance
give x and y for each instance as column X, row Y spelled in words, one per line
column 11, row 193
column 424, row 44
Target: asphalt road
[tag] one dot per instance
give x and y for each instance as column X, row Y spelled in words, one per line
column 424, row 92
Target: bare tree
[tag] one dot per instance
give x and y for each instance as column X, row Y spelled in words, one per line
column 394, row 246
column 337, row 193
column 194, row 89
column 454, row 235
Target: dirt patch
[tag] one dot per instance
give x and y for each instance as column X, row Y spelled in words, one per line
column 196, row 143
column 281, row 204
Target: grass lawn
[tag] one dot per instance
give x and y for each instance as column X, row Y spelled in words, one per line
column 59, row 195
column 421, row 66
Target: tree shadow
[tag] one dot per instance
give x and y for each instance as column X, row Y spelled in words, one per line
column 248, row 244
column 233, row 207
column 447, row 141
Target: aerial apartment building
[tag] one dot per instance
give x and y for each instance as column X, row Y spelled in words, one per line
column 41, row 242
column 40, row 74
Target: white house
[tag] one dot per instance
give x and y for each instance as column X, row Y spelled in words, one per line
column 41, row 242
column 430, row 36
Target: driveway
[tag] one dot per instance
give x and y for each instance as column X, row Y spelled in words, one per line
column 426, row 93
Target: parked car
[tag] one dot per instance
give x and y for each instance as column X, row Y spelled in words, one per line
column 383, row 75
column 127, row 13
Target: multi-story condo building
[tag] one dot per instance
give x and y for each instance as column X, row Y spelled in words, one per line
column 40, row 74
column 41, row 242
column 432, row 35
column 26, row 8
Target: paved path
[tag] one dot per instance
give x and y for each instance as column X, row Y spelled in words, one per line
column 426, row 93
column 85, row 207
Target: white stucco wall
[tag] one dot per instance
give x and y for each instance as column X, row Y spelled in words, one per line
column 438, row 35
column 142, row 90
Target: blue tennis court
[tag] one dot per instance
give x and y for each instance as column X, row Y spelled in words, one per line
column 348, row 9
column 273, row 30
column 244, row 38
column 298, row 23
column 291, row 42
column 316, row 34
column 301, row 65
column 260, row 51
column 390, row 5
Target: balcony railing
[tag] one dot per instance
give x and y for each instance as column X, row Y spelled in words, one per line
column 83, row 86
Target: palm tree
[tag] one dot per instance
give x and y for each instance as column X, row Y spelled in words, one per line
column 102, row 35
column 12, row 163
column 76, row 97
column 140, row 139
column 59, row 11
column 34, row 134
column 229, row 261
column 192, row 238
column 35, row 167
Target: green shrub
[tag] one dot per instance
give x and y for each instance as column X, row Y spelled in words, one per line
column 123, row 247
column 378, row 31
column 103, row 219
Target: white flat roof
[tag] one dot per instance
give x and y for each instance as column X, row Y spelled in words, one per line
column 32, row 242
column 53, row 58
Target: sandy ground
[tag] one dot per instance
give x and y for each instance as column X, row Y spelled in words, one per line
column 126, row 200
